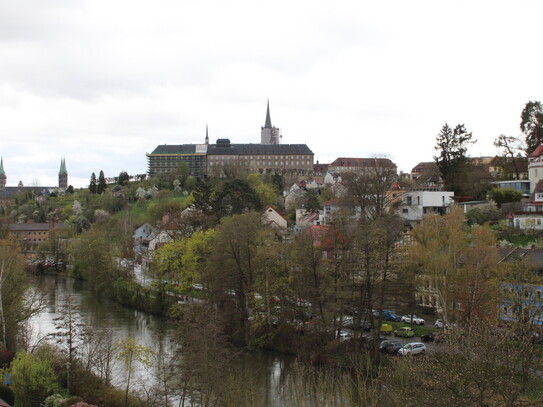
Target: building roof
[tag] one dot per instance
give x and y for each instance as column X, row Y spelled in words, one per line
column 27, row 227
column 177, row 149
column 537, row 151
column 9, row 192
column 534, row 257
column 258, row 149
column 362, row 162
column 425, row 166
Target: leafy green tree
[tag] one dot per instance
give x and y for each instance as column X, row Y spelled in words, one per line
column 94, row 258
column 532, row 125
column 452, row 147
column 123, row 178
column 33, row 379
column 102, row 185
column 504, row 195
column 197, row 256
column 93, row 185
column 168, row 266
column 234, row 197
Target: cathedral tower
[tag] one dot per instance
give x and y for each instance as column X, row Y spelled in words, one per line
column 63, row 175
column 268, row 133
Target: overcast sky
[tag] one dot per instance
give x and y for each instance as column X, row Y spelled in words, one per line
column 102, row 82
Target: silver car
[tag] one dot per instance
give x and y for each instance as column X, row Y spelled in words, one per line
column 412, row 348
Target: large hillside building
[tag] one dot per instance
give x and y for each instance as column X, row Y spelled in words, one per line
column 223, row 156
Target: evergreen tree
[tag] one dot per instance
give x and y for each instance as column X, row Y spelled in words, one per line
column 102, row 185
column 452, row 159
column 92, row 185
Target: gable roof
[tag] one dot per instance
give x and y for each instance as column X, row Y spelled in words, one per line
column 362, row 162
column 537, row 151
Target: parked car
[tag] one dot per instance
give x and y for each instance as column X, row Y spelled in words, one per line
column 198, row 287
column 412, row 319
column 412, row 348
column 405, row 331
column 344, row 335
column 389, row 315
column 386, row 329
column 432, row 337
column 440, row 324
column 390, row 346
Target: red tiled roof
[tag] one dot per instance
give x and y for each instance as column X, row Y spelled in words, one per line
column 362, row 162
column 537, row 152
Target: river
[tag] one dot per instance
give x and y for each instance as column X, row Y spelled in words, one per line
column 268, row 370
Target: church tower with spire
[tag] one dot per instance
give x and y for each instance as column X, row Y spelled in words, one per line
column 63, row 175
column 3, row 178
column 268, row 133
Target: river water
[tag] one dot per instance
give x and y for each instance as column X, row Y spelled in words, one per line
column 154, row 332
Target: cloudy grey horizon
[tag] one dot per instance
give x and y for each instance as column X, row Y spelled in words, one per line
column 102, row 83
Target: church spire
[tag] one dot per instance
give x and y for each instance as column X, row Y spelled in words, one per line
column 207, row 136
column 63, row 175
column 267, row 124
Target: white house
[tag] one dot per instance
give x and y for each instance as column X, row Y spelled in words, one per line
column 141, row 235
column 274, row 219
column 415, row 204
column 332, row 178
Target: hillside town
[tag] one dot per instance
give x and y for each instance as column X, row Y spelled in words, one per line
column 346, row 267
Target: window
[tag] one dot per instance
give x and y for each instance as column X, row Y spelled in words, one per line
column 405, row 210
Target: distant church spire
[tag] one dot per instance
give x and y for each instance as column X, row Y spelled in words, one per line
column 3, row 178
column 268, row 124
column 63, row 175
column 207, row 136
column 269, row 134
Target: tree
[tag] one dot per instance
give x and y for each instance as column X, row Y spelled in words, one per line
column 33, row 379
column 504, row 195
column 457, row 265
column 480, row 364
column 123, row 178
column 16, row 304
column 234, row 265
column 532, row 125
column 452, row 147
column 510, row 148
column 102, row 185
column 234, row 197
column 130, row 352
column 203, row 197
column 93, row 185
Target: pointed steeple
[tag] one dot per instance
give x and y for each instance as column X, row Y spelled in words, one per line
column 207, row 136
column 62, row 167
column 63, row 175
column 267, row 124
